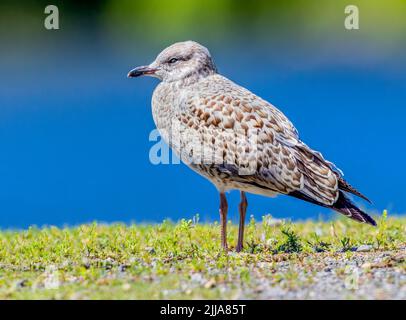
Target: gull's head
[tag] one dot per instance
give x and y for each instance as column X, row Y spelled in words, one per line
column 177, row 62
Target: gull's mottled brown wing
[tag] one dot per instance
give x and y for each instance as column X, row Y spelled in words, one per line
column 258, row 144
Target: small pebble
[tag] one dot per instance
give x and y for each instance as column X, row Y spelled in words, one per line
column 210, row 284
column 150, row 250
column 196, row 277
column 364, row 248
column 122, row 268
column 22, row 283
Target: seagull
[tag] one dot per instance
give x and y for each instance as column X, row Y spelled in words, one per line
column 236, row 139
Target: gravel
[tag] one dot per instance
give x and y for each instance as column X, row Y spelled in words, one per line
column 364, row 275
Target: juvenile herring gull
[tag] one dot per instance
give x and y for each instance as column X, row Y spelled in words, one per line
column 236, row 139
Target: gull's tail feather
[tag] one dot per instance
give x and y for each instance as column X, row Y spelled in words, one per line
column 344, row 206
column 344, row 185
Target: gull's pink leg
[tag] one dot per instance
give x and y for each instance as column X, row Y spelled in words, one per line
column 243, row 210
column 223, row 220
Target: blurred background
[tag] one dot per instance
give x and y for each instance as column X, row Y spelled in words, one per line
column 74, row 130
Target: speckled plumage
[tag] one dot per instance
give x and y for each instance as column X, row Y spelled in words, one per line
column 236, row 139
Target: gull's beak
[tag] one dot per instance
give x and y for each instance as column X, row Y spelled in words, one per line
column 140, row 71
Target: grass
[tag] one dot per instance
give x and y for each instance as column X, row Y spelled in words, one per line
column 176, row 260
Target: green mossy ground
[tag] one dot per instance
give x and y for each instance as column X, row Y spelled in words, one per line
column 184, row 260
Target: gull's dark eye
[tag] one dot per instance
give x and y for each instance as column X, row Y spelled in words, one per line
column 173, row 60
